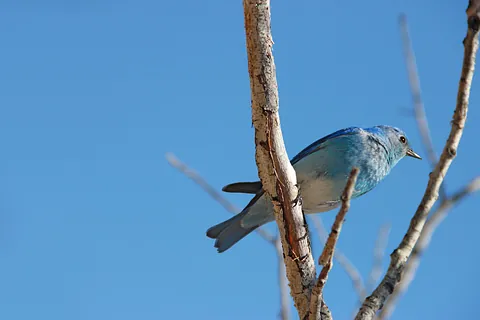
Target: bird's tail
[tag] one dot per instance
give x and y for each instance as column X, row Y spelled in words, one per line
column 229, row 232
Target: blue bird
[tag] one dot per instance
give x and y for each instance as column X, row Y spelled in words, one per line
column 322, row 171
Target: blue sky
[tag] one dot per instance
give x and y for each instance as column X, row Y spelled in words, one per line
column 96, row 225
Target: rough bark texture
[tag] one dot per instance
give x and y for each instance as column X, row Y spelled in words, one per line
column 399, row 257
column 274, row 168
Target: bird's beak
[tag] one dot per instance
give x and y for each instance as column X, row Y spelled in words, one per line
column 413, row 154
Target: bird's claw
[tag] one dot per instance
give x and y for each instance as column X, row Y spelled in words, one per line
column 298, row 199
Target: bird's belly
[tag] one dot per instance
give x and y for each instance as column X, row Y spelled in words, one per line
column 318, row 195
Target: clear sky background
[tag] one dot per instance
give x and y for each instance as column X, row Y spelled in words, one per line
column 96, row 225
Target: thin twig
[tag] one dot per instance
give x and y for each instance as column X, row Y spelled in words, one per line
column 282, row 282
column 423, row 242
column 329, row 249
column 400, row 256
column 418, row 106
column 378, row 254
column 342, row 260
column 195, row 177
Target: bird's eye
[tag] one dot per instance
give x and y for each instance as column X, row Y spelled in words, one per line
column 402, row 139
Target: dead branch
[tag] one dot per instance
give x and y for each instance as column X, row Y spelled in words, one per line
column 423, row 242
column 326, row 258
column 342, row 260
column 414, row 81
column 197, row 178
column 274, row 169
column 378, row 254
column 400, row 256
column 202, row 183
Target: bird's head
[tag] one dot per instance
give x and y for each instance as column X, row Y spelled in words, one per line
column 397, row 142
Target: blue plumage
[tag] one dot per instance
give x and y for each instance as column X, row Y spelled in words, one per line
column 322, row 171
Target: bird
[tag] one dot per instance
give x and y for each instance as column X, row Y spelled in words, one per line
column 322, row 171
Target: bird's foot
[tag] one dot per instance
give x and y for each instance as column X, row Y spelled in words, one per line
column 298, row 199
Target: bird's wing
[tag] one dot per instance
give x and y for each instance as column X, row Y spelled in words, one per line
column 256, row 186
column 320, row 143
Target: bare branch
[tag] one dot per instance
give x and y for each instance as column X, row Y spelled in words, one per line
column 329, row 249
column 418, row 106
column 282, row 282
column 414, row 81
column 378, row 254
column 326, row 258
column 400, row 256
column 423, row 242
column 274, row 169
column 342, row 260
column 195, row 177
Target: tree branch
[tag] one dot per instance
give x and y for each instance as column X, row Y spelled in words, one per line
column 282, row 282
column 196, row 178
column 414, row 81
column 342, row 260
column 423, row 242
column 399, row 257
column 274, row 168
column 378, row 254
column 418, row 106
column 326, row 258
